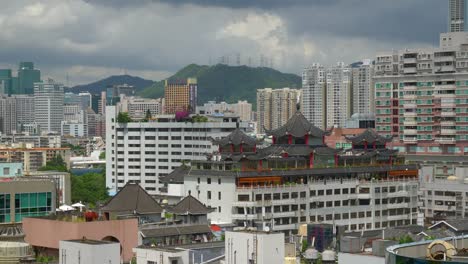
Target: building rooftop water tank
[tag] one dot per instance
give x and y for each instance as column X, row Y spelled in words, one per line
column 311, row 253
column 328, row 255
column 452, row 178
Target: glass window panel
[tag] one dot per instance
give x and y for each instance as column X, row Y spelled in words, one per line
column 24, row 200
column 33, row 199
column 42, row 199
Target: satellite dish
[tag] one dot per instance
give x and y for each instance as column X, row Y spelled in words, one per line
column 266, row 229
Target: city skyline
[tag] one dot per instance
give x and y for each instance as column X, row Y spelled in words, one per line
column 298, row 31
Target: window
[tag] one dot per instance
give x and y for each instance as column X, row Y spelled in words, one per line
column 208, row 194
column 219, row 195
column 208, row 180
column 6, row 171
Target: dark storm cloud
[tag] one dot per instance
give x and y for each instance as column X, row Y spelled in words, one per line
column 262, row 4
column 165, row 35
column 395, row 20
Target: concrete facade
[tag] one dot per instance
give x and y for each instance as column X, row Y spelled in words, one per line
column 254, row 247
column 275, row 107
column 88, row 251
column 48, row 105
column 144, row 152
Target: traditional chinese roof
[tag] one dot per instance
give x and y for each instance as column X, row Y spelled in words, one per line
column 297, row 126
column 190, row 205
column 369, row 136
column 133, row 199
column 274, row 151
column 236, row 137
column 176, row 176
column 365, row 154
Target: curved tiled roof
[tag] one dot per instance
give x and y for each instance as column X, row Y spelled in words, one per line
column 292, row 150
column 369, row 136
column 297, row 126
column 134, row 199
column 189, row 205
column 236, row 137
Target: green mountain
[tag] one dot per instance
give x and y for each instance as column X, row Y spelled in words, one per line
column 228, row 83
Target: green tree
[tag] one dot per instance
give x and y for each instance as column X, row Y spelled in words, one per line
column 55, row 164
column 199, row 119
column 148, row 116
column 304, row 245
column 123, row 117
column 102, row 156
column 405, row 239
column 89, row 187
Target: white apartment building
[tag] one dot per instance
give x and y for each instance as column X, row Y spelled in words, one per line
column 74, row 129
column 143, row 152
column 314, row 95
column 338, row 90
column 355, row 204
column 275, row 107
column 363, row 88
column 138, row 107
column 48, row 105
column 242, row 108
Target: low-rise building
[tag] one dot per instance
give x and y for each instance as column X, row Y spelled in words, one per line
column 8, row 169
column 32, row 158
column 22, row 197
column 210, row 252
column 45, row 233
column 77, row 251
column 254, row 247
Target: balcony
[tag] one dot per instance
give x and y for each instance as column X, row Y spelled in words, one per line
column 410, row 132
column 244, row 204
column 363, row 196
column 410, row 123
column 398, row 194
column 442, row 95
column 410, row 70
column 410, row 88
column 244, row 216
column 447, row 123
column 445, row 140
column 410, row 140
column 285, row 214
column 444, row 68
column 409, row 60
column 410, row 96
column 448, row 132
column 284, row 227
column 410, row 105
column 444, row 58
column 447, row 114
column 397, row 205
column 409, row 114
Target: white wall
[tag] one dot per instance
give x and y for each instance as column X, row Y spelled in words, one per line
column 143, row 255
column 71, row 252
column 227, row 188
column 240, row 246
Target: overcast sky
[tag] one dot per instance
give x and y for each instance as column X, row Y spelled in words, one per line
column 92, row 39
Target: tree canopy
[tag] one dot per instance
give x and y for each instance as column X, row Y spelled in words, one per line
column 55, row 164
column 123, row 117
column 89, row 188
